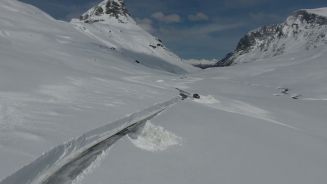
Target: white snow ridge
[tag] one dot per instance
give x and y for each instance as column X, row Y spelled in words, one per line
column 154, row 138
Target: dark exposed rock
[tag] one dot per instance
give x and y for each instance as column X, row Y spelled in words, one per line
column 116, row 8
column 264, row 33
column 153, row 46
column 113, row 8
column 98, row 11
column 310, row 18
column 93, row 21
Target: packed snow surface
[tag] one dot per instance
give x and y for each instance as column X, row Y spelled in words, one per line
column 63, row 89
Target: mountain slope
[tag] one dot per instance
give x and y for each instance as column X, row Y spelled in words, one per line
column 56, row 83
column 110, row 23
column 62, row 93
column 302, row 31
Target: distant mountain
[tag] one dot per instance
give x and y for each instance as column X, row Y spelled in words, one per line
column 303, row 30
column 110, row 23
column 107, row 8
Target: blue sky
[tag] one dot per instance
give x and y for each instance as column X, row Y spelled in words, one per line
column 193, row 28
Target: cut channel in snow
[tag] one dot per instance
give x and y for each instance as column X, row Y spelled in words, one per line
column 154, row 138
column 91, row 168
column 73, row 159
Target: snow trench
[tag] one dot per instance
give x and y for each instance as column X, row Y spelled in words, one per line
column 65, row 163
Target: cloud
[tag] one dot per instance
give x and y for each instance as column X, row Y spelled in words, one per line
column 264, row 17
column 168, row 19
column 198, row 31
column 198, row 17
column 244, row 3
column 146, row 24
column 206, row 41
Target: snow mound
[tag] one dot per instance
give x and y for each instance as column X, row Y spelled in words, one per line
column 154, row 138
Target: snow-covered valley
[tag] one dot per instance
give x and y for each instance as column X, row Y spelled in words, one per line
column 68, row 92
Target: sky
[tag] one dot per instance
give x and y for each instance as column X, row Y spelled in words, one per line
column 197, row 29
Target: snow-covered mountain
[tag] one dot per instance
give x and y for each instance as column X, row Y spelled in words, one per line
column 48, row 67
column 66, row 96
column 302, row 31
column 110, row 23
column 107, row 10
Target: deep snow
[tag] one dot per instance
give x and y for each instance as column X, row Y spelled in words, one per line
column 57, row 83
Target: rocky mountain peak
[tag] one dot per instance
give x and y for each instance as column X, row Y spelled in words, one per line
column 107, row 8
column 308, row 17
column 303, row 30
column 116, row 8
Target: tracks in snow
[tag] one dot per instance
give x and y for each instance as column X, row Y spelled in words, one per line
column 64, row 163
column 69, row 172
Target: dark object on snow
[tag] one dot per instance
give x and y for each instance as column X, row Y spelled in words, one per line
column 137, row 61
column 284, row 90
column 153, row 46
column 296, row 97
column 197, row 96
column 184, row 96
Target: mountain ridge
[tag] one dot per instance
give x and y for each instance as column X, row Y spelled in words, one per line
column 303, row 30
column 110, row 23
column 113, row 8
